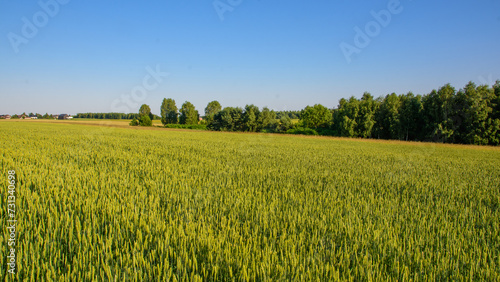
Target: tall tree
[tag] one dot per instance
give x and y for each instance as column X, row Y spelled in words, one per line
column 438, row 114
column 410, row 116
column 211, row 109
column 267, row 120
column 169, row 112
column 316, row 117
column 250, row 117
column 387, row 118
column 366, row 116
column 189, row 115
column 229, row 119
column 495, row 101
column 495, row 114
column 285, row 123
column 477, row 127
column 144, row 110
column 345, row 117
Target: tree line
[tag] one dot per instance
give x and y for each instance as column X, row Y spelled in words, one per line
column 111, row 116
column 467, row 116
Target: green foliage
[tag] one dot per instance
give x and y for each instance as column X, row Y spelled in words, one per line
column 387, row 120
column 229, row 119
column 169, row 112
column 266, row 120
column 346, row 117
column 250, row 116
column 212, row 206
column 285, row 123
column 438, row 113
column 145, row 110
column 134, row 122
column 211, row 110
column 302, row 131
column 316, row 116
column 410, row 117
column 189, row 115
column 290, row 114
column 145, row 121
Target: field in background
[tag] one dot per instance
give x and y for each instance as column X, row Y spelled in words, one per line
column 84, row 121
column 105, row 202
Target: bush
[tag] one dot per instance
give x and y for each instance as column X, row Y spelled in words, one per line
column 302, row 130
column 327, row 132
column 134, row 122
column 145, row 121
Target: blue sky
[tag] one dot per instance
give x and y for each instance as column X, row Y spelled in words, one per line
column 97, row 56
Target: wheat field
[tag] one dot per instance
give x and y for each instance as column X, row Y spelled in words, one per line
column 111, row 203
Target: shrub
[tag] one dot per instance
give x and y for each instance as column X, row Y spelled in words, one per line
column 134, row 122
column 145, row 121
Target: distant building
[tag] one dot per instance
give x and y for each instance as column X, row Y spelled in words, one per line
column 63, row 116
column 5, row 116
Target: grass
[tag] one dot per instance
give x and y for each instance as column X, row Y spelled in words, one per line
column 108, row 202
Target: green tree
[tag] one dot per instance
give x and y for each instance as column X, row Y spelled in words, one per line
column 316, row 117
column 212, row 108
column 495, row 114
column 410, row 116
column 145, row 121
column 229, row 119
column 144, row 110
column 169, row 112
column 438, row 114
column 495, row 101
column 366, row 116
column 266, row 120
column 346, row 117
column 285, row 123
column 250, row 117
column 189, row 115
column 387, row 118
column 476, row 109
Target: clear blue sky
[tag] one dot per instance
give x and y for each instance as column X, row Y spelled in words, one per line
column 89, row 56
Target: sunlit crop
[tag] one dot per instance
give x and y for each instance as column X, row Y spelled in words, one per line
column 107, row 203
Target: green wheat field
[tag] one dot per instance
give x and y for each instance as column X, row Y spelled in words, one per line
column 115, row 203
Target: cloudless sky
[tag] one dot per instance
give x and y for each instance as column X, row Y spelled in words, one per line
column 90, row 56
